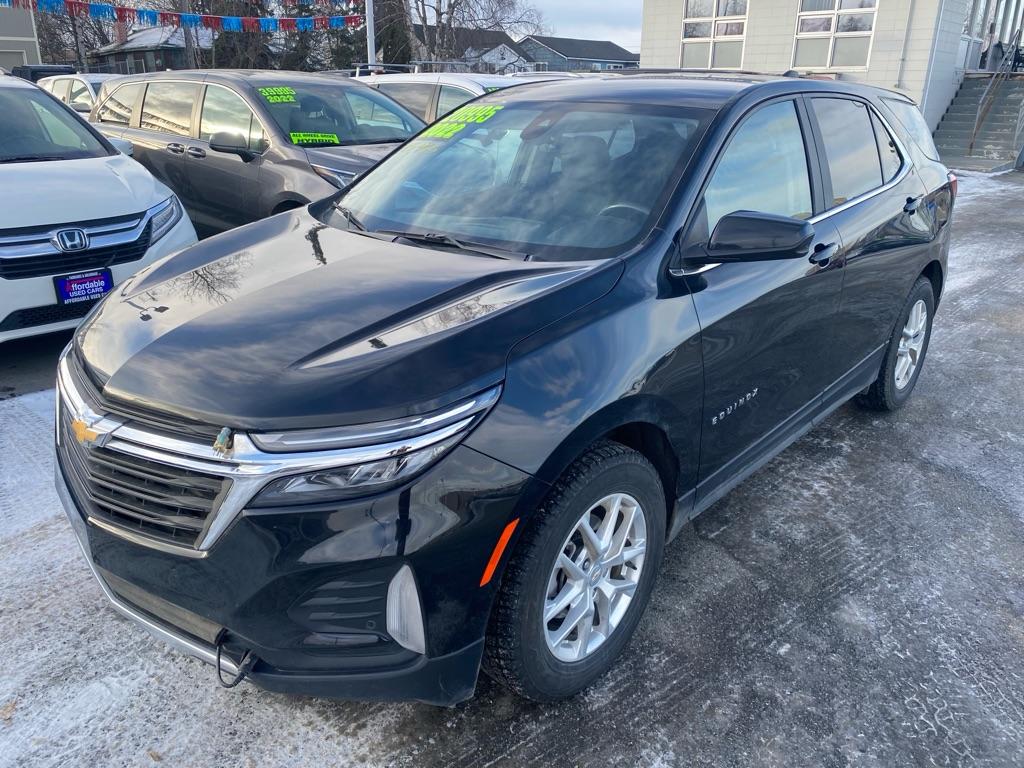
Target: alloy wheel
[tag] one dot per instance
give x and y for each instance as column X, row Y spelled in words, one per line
column 595, row 577
column 911, row 344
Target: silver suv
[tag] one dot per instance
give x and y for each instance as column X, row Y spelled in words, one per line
column 241, row 145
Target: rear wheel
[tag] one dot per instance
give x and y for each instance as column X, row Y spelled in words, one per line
column 578, row 584
column 905, row 353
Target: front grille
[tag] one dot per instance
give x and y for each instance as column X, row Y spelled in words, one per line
column 18, row 268
column 159, row 500
column 52, row 313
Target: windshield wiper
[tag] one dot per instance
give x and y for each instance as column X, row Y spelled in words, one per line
column 350, row 217
column 433, row 238
column 30, row 159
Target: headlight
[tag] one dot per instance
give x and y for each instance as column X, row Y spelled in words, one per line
column 164, row 217
column 371, row 457
column 340, row 179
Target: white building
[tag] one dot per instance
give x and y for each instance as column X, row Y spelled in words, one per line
column 921, row 47
column 18, row 42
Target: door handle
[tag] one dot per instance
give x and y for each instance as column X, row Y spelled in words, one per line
column 912, row 204
column 176, row 148
column 196, row 152
column 823, row 254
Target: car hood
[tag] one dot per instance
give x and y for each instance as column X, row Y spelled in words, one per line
column 63, row 191
column 356, row 158
column 290, row 323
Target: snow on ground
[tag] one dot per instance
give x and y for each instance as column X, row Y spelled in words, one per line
column 858, row 602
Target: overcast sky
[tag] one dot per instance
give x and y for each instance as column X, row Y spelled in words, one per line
column 615, row 20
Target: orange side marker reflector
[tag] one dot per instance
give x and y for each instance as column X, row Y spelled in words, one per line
column 499, row 550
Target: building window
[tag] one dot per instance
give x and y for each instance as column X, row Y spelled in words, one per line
column 713, row 33
column 834, row 34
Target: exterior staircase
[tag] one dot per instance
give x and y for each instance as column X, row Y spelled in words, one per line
column 1000, row 138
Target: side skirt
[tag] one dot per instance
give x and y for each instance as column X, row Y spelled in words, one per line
column 712, row 489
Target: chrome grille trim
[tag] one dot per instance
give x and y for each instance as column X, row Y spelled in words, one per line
column 100, row 236
column 247, row 467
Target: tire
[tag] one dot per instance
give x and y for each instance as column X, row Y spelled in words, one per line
column 517, row 651
column 890, row 391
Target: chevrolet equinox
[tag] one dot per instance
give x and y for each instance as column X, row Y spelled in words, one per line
column 449, row 417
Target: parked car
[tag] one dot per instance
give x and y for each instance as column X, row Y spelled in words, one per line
column 77, row 91
column 76, row 216
column 239, row 146
column 433, row 95
column 35, row 72
column 455, row 412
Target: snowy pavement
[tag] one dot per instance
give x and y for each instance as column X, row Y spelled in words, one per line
column 859, row 602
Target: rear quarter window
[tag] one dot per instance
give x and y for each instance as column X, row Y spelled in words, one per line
column 912, row 120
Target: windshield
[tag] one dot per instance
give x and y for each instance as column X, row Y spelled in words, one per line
column 332, row 115
column 34, row 128
column 557, row 181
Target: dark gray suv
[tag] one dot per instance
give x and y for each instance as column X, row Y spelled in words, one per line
column 237, row 146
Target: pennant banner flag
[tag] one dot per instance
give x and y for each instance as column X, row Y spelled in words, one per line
column 147, row 17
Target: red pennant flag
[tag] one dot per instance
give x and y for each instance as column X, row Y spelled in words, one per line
column 353, row 21
column 169, row 19
column 321, row 22
column 76, row 8
column 212, row 22
column 286, row 24
column 250, row 24
column 124, row 15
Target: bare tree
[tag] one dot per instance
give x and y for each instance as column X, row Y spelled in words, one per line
column 441, row 18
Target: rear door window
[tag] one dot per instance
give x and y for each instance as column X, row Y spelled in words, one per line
column 764, row 168
column 413, row 96
column 850, row 149
column 167, row 108
column 451, row 97
column 79, row 94
column 118, row 108
column 59, row 88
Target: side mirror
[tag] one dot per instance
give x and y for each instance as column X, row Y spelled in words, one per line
column 123, row 146
column 231, row 144
column 753, row 236
column 81, row 106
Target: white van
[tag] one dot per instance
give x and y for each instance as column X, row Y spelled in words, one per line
column 77, row 216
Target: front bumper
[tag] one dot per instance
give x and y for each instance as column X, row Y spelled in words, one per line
column 28, row 307
column 272, row 582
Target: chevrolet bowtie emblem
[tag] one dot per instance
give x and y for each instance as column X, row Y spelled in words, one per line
column 222, row 445
column 83, row 432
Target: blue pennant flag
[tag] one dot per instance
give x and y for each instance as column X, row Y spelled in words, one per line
column 304, row 24
column 191, row 20
column 50, row 6
column 101, row 11
column 268, row 25
column 145, row 17
column 337, row 22
column 232, row 24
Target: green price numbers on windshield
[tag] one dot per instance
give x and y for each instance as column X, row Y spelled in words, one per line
column 451, row 124
column 278, row 95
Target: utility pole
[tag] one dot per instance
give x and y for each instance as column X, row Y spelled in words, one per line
column 371, row 42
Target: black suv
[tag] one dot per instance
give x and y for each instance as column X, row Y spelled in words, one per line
column 237, row 146
column 454, row 413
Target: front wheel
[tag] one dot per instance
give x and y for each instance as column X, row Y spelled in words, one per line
column 581, row 577
column 904, row 355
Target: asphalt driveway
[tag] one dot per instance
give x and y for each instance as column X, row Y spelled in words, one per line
column 858, row 602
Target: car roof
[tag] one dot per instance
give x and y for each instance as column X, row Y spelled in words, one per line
column 451, row 78
column 253, row 77
column 685, row 88
column 10, row 81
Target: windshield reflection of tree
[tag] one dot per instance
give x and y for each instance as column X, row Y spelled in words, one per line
column 216, row 282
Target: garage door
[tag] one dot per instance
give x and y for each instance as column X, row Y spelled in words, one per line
column 11, row 59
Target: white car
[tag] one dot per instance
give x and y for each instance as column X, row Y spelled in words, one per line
column 77, row 91
column 77, row 216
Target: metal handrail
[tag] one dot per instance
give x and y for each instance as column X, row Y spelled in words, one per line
column 1002, row 74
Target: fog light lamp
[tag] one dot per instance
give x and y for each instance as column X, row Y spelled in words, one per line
column 405, row 618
